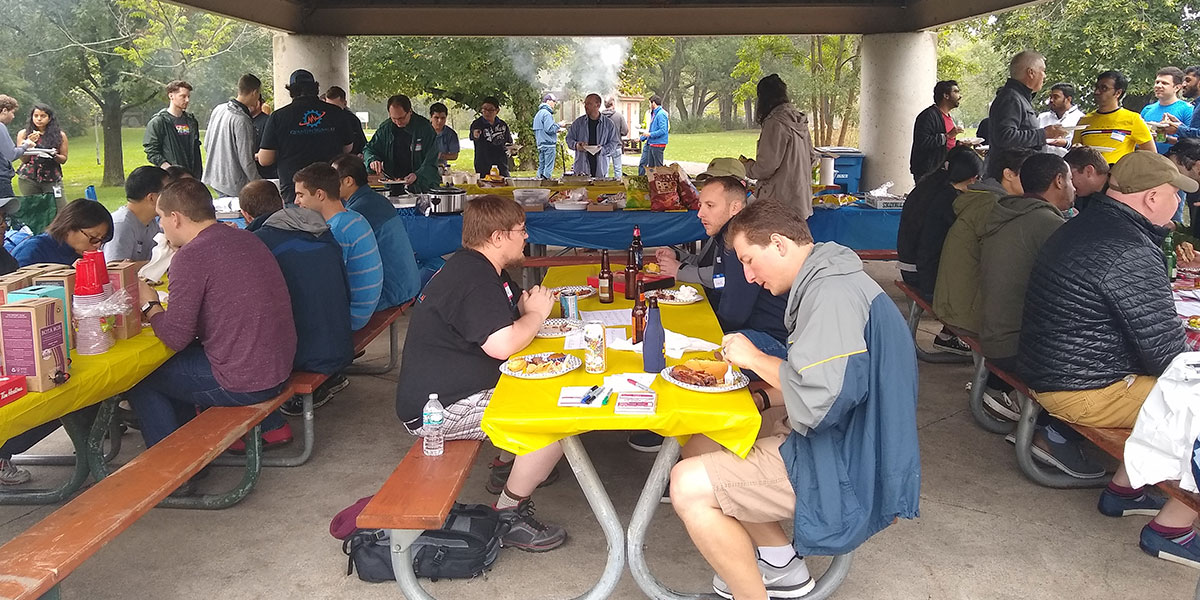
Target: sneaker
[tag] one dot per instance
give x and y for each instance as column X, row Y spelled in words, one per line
column 500, row 472
column 527, row 533
column 1001, row 406
column 645, row 441
column 271, row 439
column 11, row 474
column 1185, row 553
column 1112, row 505
column 127, row 418
column 789, row 581
column 294, row 406
column 1066, row 456
column 951, row 344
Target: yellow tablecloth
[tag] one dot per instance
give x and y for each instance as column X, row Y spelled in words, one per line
column 93, row 378
column 593, row 190
column 524, row 415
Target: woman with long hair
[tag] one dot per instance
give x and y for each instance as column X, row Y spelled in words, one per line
column 783, row 163
column 39, row 174
column 83, row 225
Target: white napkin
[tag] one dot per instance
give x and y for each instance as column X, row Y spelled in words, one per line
column 160, row 260
column 674, row 345
column 227, row 204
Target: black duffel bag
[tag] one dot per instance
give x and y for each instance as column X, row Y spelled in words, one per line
column 465, row 547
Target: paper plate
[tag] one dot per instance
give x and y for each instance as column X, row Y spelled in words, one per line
column 739, row 382
column 570, row 205
column 557, row 328
column 581, row 291
column 668, row 297
column 568, row 364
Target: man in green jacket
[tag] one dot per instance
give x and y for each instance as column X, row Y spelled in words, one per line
column 173, row 135
column 403, row 148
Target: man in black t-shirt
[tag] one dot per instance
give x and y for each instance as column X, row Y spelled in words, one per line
column 491, row 134
column 303, row 132
column 471, row 318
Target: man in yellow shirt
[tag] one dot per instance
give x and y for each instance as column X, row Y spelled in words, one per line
column 1113, row 130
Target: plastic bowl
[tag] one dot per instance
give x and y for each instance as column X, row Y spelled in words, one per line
column 531, row 195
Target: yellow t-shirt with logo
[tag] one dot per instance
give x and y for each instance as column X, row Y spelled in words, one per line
column 1114, row 134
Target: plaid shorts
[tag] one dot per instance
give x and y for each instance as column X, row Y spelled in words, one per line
column 463, row 418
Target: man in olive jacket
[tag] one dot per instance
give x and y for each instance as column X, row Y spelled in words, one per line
column 403, row 148
column 172, row 135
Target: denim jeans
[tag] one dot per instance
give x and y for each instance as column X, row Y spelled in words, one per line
column 168, row 397
column 546, row 157
column 614, row 169
column 651, row 157
column 766, row 344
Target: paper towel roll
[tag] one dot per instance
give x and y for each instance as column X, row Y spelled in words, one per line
column 826, row 169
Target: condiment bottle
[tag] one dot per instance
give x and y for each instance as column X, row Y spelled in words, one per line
column 635, row 247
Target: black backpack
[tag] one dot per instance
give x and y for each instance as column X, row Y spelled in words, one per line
column 465, row 547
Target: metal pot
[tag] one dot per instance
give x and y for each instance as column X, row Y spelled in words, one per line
column 445, row 200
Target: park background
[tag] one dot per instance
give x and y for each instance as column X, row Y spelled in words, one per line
column 102, row 64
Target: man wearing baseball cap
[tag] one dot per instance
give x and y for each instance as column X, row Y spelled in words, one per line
column 545, row 131
column 741, row 306
column 307, row 131
column 1099, row 327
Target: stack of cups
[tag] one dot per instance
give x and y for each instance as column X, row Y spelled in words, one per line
column 93, row 334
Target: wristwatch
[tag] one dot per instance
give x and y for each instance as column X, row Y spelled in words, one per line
column 146, row 306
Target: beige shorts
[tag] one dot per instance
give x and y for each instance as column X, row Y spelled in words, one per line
column 755, row 489
column 1114, row 406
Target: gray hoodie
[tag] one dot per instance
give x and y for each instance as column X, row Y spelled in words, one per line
column 826, row 319
column 231, row 141
column 1014, row 233
column 784, row 158
column 294, row 218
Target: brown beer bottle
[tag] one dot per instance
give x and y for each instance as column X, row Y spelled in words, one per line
column 640, row 313
column 605, row 282
column 631, row 277
column 635, row 247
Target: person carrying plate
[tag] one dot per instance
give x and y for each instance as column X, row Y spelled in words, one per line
column 593, row 138
column 470, row 319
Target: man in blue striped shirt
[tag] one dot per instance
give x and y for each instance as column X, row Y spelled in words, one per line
column 317, row 189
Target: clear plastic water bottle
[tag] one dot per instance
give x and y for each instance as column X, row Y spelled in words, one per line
column 432, row 418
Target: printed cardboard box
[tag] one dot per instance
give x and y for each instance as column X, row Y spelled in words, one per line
column 37, row 268
column 33, row 338
column 49, row 291
column 123, row 274
column 65, row 278
column 11, row 283
column 12, row 389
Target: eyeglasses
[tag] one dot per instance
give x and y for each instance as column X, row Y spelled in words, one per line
column 520, row 229
column 92, row 239
column 489, row 110
column 1103, row 88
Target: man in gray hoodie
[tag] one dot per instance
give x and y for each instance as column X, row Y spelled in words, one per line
column 232, row 140
column 622, row 127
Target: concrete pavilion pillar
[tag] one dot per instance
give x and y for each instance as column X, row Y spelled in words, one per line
column 898, row 73
column 327, row 57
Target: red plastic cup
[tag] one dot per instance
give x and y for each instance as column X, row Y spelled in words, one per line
column 91, row 273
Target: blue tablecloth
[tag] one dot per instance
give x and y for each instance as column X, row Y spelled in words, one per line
column 855, row 226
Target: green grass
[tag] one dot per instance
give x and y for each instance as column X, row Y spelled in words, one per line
column 82, row 169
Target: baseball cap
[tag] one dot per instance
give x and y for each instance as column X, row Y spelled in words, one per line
column 549, row 98
column 1142, row 170
column 301, row 76
column 723, row 167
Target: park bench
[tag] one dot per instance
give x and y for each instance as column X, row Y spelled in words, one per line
column 418, row 496
column 916, row 306
column 33, row 564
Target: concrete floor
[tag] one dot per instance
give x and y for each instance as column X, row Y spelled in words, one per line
column 984, row 530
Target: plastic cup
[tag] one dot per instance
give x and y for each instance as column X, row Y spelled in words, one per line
column 91, row 274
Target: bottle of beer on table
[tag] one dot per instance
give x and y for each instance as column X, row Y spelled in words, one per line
column 635, row 247
column 654, row 340
column 631, row 276
column 639, row 315
column 1168, row 249
column 606, row 279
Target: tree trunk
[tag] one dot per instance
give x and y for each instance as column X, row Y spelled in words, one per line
column 110, row 124
column 748, row 105
column 727, row 106
column 681, row 107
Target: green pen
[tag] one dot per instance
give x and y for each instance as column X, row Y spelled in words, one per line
column 606, row 397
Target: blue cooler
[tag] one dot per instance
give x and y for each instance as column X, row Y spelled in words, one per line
column 848, row 162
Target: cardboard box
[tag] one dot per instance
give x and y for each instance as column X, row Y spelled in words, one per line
column 37, row 268
column 12, row 388
column 123, row 274
column 49, row 291
column 11, row 283
column 33, row 339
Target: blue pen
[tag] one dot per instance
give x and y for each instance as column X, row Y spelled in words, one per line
column 587, row 398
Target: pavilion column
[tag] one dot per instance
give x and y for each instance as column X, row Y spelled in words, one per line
column 327, row 57
column 898, row 73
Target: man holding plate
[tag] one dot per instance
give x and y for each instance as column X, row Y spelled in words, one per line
column 593, row 138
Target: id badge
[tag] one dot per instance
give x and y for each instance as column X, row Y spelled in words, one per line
column 718, row 281
column 1119, row 136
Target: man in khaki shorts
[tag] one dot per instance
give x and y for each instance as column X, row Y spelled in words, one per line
column 1099, row 327
column 838, row 454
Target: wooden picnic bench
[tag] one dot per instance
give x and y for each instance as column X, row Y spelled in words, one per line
column 916, row 306
column 417, row 496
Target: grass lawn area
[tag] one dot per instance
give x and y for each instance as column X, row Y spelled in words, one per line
column 81, row 170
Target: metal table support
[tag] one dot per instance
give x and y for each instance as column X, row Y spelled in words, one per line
column 1029, row 466
column 393, row 355
column 914, row 319
column 78, row 428
column 597, row 497
column 643, row 513
column 978, row 386
column 309, row 440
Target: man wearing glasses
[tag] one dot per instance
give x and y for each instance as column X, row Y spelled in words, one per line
column 491, row 136
column 1113, row 130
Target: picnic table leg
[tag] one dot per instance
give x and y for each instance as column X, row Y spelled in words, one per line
column 113, row 430
column 978, row 387
column 393, row 356
column 253, row 439
column 597, row 497
column 643, row 513
column 402, row 564
column 77, row 428
column 309, row 440
column 914, row 320
column 1043, row 476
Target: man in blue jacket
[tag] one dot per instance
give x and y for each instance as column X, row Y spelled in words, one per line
column 655, row 140
column 401, row 276
column 839, row 457
column 545, row 132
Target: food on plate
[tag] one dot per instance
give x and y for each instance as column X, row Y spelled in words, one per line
column 685, row 374
column 684, row 295
column 716, row 368
column 1194, row 322
column 558, row 326
column 652, row 268
column 535, row 365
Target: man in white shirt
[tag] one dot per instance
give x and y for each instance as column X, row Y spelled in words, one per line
column 1062, row 112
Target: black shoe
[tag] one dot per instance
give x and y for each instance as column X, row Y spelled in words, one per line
column 294, row 406
column 128, row 418
column 952, row 344
column 645, row 441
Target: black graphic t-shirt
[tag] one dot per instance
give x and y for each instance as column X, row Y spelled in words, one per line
column 489, row 140
column 302, row 133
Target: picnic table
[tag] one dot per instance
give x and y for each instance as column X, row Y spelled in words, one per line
column 94, row 379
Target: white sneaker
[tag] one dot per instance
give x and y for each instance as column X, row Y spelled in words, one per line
column 11, row 474
column 1000, row 404
column 789, row 581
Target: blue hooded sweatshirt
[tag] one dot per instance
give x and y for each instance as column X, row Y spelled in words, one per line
column 660, row 127
column 850, row 386
column 545, row 129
